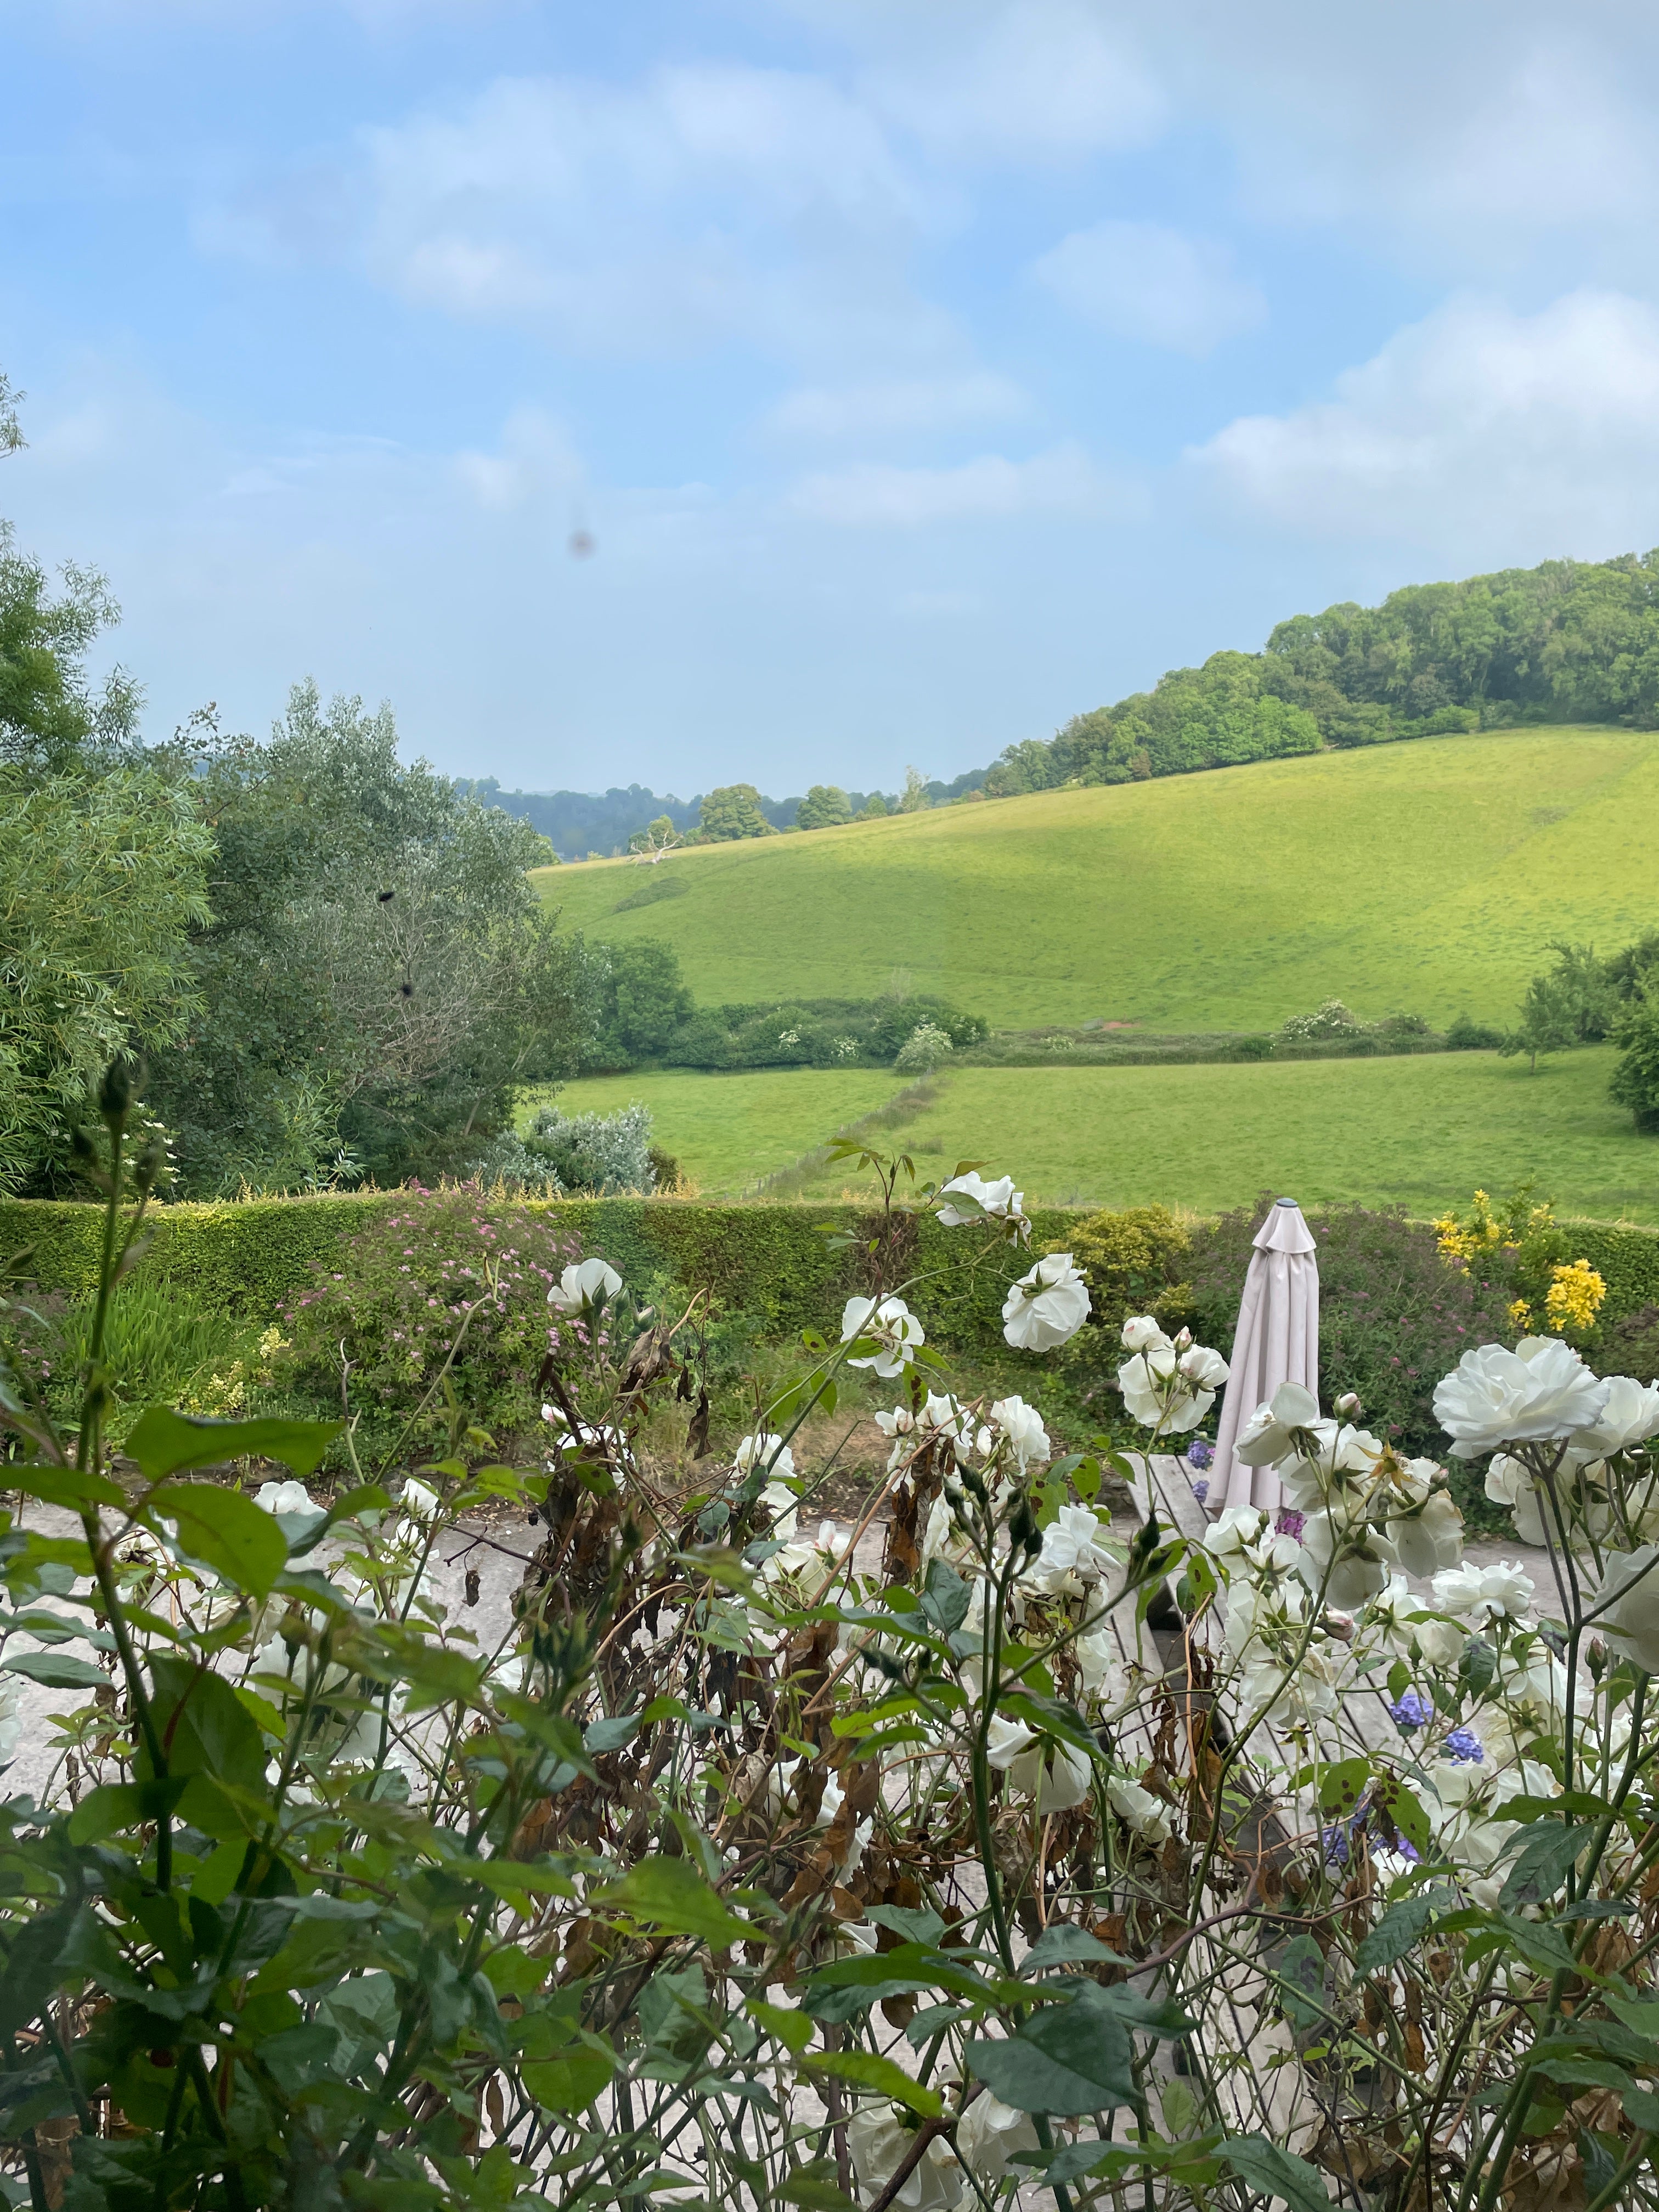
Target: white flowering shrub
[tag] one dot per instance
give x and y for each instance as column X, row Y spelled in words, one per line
column 994, row 1847
column 923, row 1050
column 558, row 1152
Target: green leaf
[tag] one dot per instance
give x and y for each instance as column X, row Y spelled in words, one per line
column 814, row 2189
column 611, row 1735
column 1052, row 1716
column 1262, row 2165
column 1549, row 1848
column 229, row 1532
column 672, row 1895
column 864, row 2070
column 56, row 1670
column 1062, row 1945
column 1394, row 1935
column 946, row 1597
column 163, row 1441
column 570, row 2082
column 1342, row 1783
column 66, row 1486
column 115, row 1805
column 1403, row 1812
column 1642, row 2109
column 792, row 2029
column 1069, row 2059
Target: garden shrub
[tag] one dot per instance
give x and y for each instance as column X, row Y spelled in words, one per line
column 557, row 1152
column 922, row 1050
column 1631, row 1346
column 1134, row 1262
column 159, row 1344
column 392, row 1304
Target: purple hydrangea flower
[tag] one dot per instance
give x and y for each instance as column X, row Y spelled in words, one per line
column 1407, row 1850
column 1290, row 1523
column 1335, row 1840
column 1201, row 1489
column 1465, row 1745
column 1410, row 1712
column 1199, row 1455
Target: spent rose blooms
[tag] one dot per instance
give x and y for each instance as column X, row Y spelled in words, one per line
column 894, row 1328
column 1540, row 1391
column 585, row 1285
column 968, row 1197
column 1047, row 1307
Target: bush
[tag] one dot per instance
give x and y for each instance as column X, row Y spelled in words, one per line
column 1332, row 1021
column 1249, row 1048
column 922, row 1051
column 596, row 1153
column 1631, row 1346
column 1467, row 1035
column 1394, row 1315
column 159, row 1343
column 397, row 1296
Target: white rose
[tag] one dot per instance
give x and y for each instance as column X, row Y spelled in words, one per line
column 1345, row 1558
column 1439, row 1642
column 1500, row 1592
column 1540, row 1390
column 419, row 1503
column 585, row 1285
column 1058, row 1781
column 1141, row 1332
column 988, row 2131
column 285, row 1498
column 1204, row 1369
column 876, row 2141
column 1096, row 1656
column 1629, row 1417
column 764, row 1450
column 1158, row 1391
column 894, row 1328
column 1230, row 1531
column 996, row 1201
column 1023, row 1426
column 1428, row 1538
column 1073, row 1544
column 1510, row 1482
column 1047, row 1307
column 1627, row 1604
column 1273, row 1432
column 1148, row 1816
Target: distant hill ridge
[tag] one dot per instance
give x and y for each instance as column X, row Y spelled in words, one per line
column 1569, row 641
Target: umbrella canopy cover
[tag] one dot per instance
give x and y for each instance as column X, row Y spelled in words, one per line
column 1277, row 1341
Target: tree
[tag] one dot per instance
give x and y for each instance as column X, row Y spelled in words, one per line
column 102, row 877
column 824, row 806
column 917, row 799
column 641, row 1000
column 1547, row 1023
column 1635, row 1082
column 733, row 811
column 874, row 809
column 378, row 974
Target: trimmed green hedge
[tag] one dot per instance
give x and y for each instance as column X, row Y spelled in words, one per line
column 770, row 1261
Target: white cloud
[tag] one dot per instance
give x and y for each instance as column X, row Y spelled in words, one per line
column 537, row 461
column 874, row 493
column 883, row 407
column 1480, row 433
column 705, row 202
column 1141, row 280
column 1041, row 80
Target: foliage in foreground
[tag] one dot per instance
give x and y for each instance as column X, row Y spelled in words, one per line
column 734, row 1871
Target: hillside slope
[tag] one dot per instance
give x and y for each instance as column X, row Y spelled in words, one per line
column 1425, row 876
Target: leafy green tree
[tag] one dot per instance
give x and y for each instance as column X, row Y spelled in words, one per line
column 1635, row 1082
column 874, row 809
column 1547, row 1023
column 102, row 877
column 917, row 799
column 642, row 1000
column 377, row 972
column 824, row 806
column 732, row 811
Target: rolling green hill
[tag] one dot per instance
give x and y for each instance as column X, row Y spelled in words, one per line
column 1427, row 877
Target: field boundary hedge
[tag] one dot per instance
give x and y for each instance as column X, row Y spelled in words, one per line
column 768, row 1259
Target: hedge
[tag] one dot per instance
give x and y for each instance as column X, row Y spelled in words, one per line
column 772, row 1262
column 769, row 1261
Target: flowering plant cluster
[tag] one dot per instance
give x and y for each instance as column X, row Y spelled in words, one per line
column 1001, row 1847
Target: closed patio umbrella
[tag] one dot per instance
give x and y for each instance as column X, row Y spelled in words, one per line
column 1277, row 1341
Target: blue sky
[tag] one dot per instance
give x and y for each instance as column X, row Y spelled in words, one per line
column 924, row 371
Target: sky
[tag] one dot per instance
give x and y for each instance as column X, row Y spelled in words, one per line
column 795, row 390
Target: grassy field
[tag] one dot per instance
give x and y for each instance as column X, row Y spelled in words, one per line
column 1423, row 1132
column 1425, row 876
column 729, row 1131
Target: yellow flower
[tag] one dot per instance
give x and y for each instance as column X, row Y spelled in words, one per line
column 1521, row 1315
column 1574, row 1296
